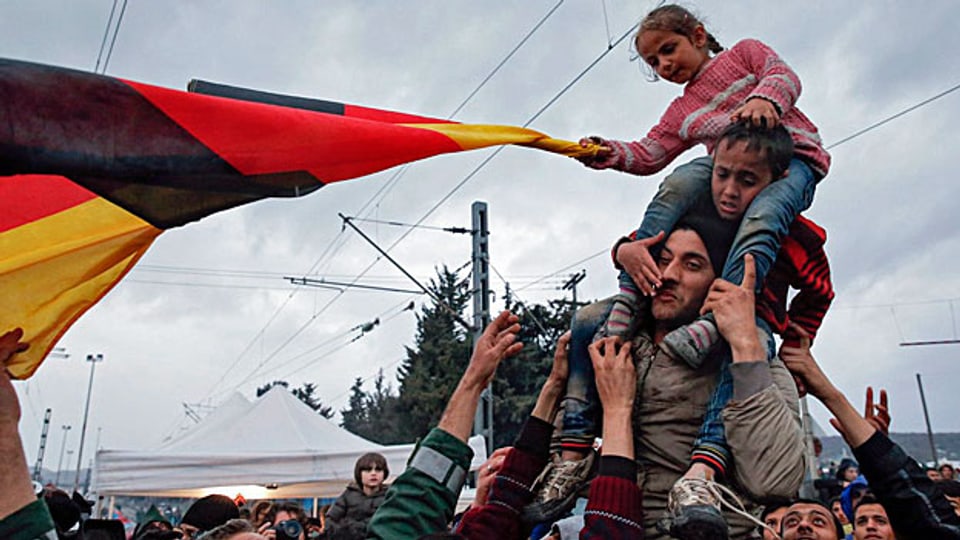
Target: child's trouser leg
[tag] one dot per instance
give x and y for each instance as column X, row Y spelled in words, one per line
column 677, row 192
column 581, row 416
column 764, row 225
column 623, row 314
column 710, row 447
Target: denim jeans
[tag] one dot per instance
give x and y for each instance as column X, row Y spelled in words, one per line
column 764, row 224
column 711, row 430
column 582, row 414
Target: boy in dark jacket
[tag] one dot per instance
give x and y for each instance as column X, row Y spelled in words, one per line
column 348, row 517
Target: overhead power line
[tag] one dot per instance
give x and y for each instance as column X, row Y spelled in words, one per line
column 894, row 117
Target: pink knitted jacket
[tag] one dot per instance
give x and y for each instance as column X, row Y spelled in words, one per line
column 749, row 69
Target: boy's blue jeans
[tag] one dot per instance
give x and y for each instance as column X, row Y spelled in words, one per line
column 764, row 225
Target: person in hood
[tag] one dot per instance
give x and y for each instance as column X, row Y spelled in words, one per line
column 348, row 517
column 154, row 526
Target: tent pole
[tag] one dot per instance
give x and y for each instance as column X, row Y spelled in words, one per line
column 113, row 499
column 316, row 511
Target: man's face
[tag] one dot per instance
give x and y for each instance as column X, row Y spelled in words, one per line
column 773, row 521
column 739, row 175
column 687, row 276
column 946, row 471
column 807, row 521
column 870, row 522
column 934, row 475
column 837, row 510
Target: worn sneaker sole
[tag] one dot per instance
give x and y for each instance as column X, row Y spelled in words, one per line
column 697, row 523
column 551, row 511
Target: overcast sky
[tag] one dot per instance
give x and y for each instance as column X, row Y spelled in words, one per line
column 207, row 312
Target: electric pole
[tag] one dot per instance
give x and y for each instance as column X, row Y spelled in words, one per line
column 43, row 445
column 63, row 446
column 93, row 359
column 483, row 421
column 926, row 417
column 571, row 285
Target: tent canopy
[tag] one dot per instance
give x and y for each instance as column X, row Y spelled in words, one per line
column 275, row 447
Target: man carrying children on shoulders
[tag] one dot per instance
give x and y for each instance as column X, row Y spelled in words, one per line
column 684, row 470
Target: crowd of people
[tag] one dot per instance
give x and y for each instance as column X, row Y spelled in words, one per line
column 678, row 374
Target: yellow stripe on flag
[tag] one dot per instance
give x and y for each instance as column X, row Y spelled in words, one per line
column 56, row 268
column 474, row 136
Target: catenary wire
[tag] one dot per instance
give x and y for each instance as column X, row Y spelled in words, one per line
column 106, row 33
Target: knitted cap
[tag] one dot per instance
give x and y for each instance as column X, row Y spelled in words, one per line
column 716, row 233
column 211, row 511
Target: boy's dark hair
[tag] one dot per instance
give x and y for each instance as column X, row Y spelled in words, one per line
column 836, row 522
column 367, row 462
column 775, row 143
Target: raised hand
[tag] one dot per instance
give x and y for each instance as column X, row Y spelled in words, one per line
column 758, row 112
column 635, row 258
column 499, row 341
column 877, row 414
column 487, row 472
column 734, row 307
column 615, row 374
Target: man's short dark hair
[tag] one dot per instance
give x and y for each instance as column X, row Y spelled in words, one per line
column 866, row 499
column 836, row 522
column 775, row 143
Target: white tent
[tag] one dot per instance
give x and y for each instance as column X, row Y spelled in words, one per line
column 276, row 447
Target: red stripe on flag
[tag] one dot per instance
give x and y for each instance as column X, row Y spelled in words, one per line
column 29, row 197
column 392, row 117
column 256, row 138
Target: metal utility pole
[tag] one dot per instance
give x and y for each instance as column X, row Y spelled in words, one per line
column 63, row 446
column 93, row 359
column 571, row 285
column 808, row 490
column 483, row 421
column 43, row 445
column 926, row 417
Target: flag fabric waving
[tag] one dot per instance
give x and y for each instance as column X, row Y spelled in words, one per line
column 97, row 167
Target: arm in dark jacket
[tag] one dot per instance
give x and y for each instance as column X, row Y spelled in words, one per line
column 915, row 504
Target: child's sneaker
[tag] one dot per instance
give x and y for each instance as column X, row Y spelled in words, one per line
column 694, row 342
column 558, row 486
column 693, row 511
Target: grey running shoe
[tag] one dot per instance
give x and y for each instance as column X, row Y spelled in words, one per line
column 558, row 486
column 694, row 342
column 693, row 511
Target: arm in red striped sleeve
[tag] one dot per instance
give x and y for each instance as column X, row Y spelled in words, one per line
column 804, row 247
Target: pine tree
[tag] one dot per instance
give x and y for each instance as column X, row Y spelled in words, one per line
column 434, row 365
column 373, row 415
column 518, row 380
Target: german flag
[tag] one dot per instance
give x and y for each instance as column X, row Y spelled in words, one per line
column 97, row 167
